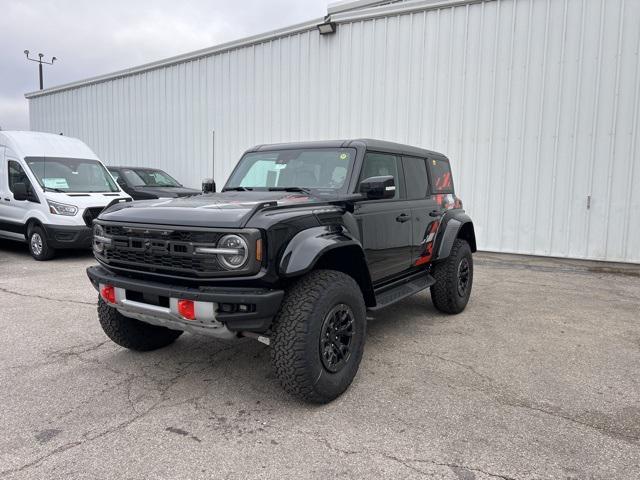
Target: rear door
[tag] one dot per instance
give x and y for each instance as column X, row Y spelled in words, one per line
column 424, row 209
column 385, row 225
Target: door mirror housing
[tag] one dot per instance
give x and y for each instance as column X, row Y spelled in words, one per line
column 20, row 191
column 120, row 181
column 377, row 188
column 208, row 185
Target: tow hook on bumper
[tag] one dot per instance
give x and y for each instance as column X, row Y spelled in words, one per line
column 261, row 338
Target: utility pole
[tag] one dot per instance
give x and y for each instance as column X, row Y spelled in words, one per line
column 40, row 62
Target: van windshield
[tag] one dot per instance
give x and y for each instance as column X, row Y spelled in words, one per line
column 71, row 175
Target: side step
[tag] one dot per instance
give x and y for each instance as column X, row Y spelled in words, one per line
column 400, row 289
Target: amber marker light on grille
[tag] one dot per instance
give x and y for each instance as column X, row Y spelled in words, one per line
column 259, row 250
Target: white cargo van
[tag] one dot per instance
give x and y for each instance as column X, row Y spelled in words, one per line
column 51, row 189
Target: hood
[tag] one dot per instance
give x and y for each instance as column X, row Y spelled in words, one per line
column 225, row 210
column 84, row 200
column 168, row 192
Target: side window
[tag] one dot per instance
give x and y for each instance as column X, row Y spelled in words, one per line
column 381, row 164
column 17, row 175
column 441, row 180
column 415, row 177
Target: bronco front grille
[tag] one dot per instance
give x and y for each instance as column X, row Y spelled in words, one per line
column 166, row 250
column 158, row 262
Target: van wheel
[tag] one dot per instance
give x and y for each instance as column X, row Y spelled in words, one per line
column 38, row 245
column 318, row 336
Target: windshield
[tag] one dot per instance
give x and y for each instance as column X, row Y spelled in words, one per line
column 315, row 168
column 74, row 175
column 143, row 177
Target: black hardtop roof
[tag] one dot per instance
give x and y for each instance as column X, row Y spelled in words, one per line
column 368, row 143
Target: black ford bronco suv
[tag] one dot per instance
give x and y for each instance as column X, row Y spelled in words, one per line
column 303, row 239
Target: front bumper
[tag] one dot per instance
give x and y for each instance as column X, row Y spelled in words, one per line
column 155, row 302
column 68, row 236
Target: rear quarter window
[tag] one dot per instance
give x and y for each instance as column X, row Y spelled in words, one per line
column 441, row 180
column 415, row 177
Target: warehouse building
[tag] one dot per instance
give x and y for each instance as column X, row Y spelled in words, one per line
column 536, row 102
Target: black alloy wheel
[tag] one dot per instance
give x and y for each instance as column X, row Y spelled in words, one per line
column 463, row 276
column 335, row 338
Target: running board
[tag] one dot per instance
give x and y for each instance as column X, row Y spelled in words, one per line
column 392, row 293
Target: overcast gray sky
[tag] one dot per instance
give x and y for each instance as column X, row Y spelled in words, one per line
column 94, row 37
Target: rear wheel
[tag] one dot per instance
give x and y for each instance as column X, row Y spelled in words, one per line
column 454, row 279
column 131, row 333
column 38, row 244
column 318, row 336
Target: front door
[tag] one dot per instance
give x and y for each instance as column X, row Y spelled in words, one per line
column 385, row 225
column 12, row 211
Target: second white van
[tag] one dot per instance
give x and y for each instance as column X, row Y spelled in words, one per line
column 51, row 189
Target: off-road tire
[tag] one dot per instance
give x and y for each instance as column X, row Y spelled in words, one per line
column 39, row 247
column 295, row 342
column 131, row 333
column 445, row 293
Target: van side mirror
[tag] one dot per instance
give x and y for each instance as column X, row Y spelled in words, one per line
column 208, row 185
column 120, row 181
column 20, row 191
column 377, row 188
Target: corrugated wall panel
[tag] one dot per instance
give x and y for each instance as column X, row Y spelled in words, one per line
column 537, row 102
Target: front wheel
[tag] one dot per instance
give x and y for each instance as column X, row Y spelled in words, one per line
column 38, row 245
column 318, row 336
column 454, row 278
column 131, row 333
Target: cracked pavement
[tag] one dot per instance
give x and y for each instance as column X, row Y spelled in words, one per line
column 538, row 378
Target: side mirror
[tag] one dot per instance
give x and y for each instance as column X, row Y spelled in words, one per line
column 377, row 188
column 208, row 185
column 20, row 191
column 120, row 181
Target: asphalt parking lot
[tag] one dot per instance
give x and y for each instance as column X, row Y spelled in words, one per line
column 538, row 378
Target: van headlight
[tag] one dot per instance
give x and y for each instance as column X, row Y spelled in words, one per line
column 236, row 253
column 62, row 208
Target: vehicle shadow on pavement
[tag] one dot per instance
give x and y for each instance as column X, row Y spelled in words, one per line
column 411, row 313
column 205, row 372
column 21, row 250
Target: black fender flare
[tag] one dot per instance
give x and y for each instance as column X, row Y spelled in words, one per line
column 451, row 228
column 307, row 246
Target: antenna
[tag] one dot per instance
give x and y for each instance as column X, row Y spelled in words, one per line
column 40, row 61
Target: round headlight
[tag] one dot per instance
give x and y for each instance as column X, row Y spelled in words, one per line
column 240, row 253
column 98, row 231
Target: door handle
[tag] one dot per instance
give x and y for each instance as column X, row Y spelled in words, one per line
column 403, row 218
column 435, row 213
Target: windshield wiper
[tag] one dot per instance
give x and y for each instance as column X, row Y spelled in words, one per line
column 290, row 189
column 237, row 189
column 51, row 189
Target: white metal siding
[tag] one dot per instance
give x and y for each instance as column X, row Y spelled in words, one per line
column 536, row 102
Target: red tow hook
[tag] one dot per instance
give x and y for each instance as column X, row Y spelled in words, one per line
column 187, row 309
column 108, row 293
